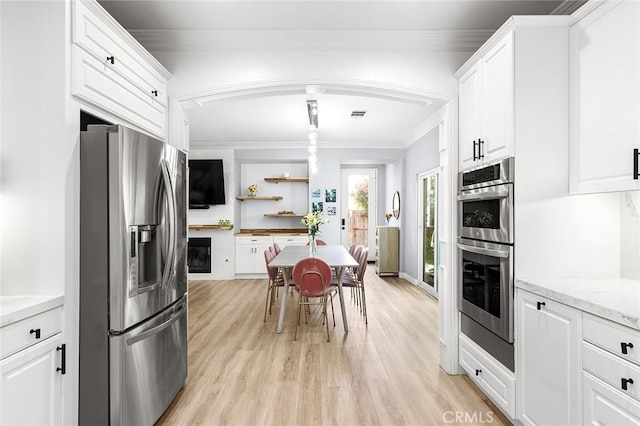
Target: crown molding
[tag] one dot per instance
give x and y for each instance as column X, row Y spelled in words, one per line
column 429, row 124
column 311, row 40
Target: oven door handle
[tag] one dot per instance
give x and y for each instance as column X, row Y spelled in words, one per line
column 485, row 195
column 488, row 252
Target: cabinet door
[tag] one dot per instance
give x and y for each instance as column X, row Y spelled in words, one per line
column 605, row 98
column 245, row 258
column 605, row 405
column 548, row 364
column 469, row 108
column 497, row 117
column 30, row 387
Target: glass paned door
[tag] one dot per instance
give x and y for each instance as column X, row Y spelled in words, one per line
column 428, row 231
column 358, row 203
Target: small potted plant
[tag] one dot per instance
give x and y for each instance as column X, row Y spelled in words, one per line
column 388, row 216
column 252, row 189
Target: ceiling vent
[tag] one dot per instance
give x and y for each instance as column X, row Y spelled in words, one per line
column 358, row 114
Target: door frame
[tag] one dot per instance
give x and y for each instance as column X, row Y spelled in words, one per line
column 372, row 211
column 433, row 291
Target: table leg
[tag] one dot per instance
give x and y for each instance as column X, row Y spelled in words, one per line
column 342, row 304
column 283, row 304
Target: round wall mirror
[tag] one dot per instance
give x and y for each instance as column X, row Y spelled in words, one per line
column 396, row 205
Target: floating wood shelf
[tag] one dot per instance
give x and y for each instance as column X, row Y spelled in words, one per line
column 259, row 197
column 289, row 179
column 284, row 214
column 201, row 227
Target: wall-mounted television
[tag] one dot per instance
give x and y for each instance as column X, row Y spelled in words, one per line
column 206, row 183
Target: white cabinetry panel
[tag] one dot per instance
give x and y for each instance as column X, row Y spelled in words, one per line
column 493, row 378
column 605, row 98
column 30, row 387
column 604, row 405
column 547, row 361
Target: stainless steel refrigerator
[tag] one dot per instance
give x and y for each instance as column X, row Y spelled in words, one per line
column 133, row 276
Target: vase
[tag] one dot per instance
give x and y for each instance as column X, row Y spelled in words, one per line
column 313, row 246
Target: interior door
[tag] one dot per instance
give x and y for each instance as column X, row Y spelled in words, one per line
column 358, row 208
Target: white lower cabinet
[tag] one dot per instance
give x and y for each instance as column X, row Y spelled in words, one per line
column 250, row 254
column 605, row 405
column 548, row 345
column 495, row 380
column 291, row 240
column 31, row 370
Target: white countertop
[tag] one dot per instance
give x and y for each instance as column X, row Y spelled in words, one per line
column 16, row 308
column 614, row 298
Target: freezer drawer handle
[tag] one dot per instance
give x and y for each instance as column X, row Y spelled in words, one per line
column 63, row 359
column 178, row 313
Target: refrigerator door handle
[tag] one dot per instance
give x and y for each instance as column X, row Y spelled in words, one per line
column 175, row 316
column 166, row 273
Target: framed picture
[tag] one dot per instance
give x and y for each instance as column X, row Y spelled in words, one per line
column 315, row 193
column 331, row 211
column 317, row 207
column 330, row 196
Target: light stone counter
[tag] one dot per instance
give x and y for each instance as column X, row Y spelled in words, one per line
column 614, row 298
column 16, row 308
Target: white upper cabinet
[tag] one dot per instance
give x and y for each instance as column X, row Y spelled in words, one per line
column 111, row 71
column 486, row 93
column 605, row 99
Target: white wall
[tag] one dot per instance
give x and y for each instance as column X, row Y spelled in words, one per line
column 422, row 156
column 223, row 254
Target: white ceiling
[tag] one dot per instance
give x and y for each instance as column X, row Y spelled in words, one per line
column 278, row 117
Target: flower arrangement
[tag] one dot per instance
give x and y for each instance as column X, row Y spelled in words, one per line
column 388, row 216
column 252, row 189
column 313, row 221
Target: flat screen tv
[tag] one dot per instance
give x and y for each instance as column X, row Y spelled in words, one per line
column 206, row 183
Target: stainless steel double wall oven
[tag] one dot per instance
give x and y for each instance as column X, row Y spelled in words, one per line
column 485, row 253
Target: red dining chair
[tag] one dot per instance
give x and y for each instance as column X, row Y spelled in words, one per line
column 312, row 278
column 275, row 281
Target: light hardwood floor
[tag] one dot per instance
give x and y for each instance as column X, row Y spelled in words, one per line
column 242, row 373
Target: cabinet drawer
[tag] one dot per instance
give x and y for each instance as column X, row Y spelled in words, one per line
column 96, row 83
column 99, row 38
column 254, row 241
column 613, row 337
column 604, row 405
column 611, row 369
column 491, row 377
column 291, row 240
column 17, row 336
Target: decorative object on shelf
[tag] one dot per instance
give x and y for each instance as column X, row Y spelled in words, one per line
column 252, row 189
column 313, row 221
column 395, row 205
column 388, row 216
column 224, row 222
column 286, row 175
column 315, row 193
column 317, row 207
column 331, row 211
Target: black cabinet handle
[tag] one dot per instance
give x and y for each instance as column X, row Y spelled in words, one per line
column 474, row 150
column 36, row 331
column 154, row 93
column 478, row 372
column 63, row 359
column 111, row 59
column 624, row 346
column 539, row 305
column 636, row 155
column 480, row 154
column 626, row 382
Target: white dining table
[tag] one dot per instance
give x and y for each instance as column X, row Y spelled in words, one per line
column 335, row 255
